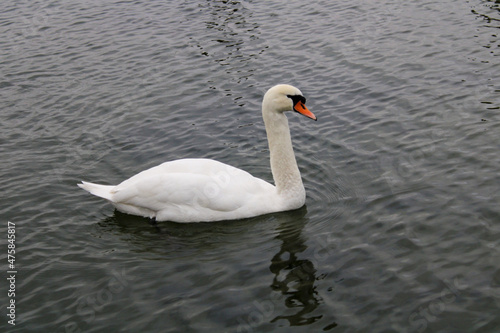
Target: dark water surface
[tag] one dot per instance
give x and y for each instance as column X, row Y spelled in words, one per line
column 401, row 229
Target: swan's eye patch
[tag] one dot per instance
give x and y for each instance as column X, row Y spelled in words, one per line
column 297, row 98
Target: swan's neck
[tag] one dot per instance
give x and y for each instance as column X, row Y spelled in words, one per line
column 284, row 167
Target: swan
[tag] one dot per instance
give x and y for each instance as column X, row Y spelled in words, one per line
column 204, row 190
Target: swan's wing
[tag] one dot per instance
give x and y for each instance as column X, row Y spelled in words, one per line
column 192, row 185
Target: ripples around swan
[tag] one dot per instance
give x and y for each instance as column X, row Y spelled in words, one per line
column 400, row 232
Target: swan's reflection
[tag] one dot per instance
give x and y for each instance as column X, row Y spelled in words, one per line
column 294, row 278
column 295, row 297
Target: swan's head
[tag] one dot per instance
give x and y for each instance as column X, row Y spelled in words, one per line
column 284, row 97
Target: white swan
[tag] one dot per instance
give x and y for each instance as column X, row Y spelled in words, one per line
column 202, row 190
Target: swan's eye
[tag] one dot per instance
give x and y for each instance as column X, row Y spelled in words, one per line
column 297, row 98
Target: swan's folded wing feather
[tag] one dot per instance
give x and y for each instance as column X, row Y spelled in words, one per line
column 219, row 187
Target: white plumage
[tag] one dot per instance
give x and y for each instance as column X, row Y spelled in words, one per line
column 202, row 190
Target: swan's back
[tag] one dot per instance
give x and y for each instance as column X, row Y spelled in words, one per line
column 194, row 190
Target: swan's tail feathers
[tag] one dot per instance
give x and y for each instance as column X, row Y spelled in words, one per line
column 103, row 191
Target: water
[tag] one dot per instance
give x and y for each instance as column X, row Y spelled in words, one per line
column 401, row 228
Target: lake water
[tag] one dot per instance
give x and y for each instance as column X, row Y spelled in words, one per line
column 401, row 228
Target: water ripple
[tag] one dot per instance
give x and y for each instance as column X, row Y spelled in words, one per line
column 400, row 228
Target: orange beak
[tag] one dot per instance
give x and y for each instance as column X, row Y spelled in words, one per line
column 302, row 109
